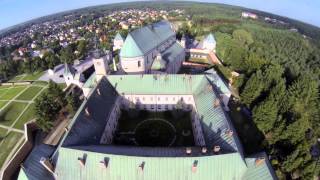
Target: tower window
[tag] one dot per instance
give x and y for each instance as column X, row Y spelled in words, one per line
column 139, row 63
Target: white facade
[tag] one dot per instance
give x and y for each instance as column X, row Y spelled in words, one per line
column 209, row 45
column 117, row 44
column 101, row 65
column 76, row 79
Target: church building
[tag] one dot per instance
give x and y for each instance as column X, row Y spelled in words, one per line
column 152, row 42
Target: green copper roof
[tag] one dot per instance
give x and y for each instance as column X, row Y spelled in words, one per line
column 130, row 48
column 155, row 84
column 227, row 166
column 118, row 37
column 263, row 171
column 22, row 175
column 218, row 82
column 158, row 64
column 146, row 39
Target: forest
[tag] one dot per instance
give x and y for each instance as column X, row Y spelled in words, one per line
column 278, row 83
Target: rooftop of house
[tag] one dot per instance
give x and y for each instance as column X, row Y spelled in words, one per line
column 142, row 40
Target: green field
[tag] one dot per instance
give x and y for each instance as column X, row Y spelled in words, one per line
column 3, row 132
column 8, row 144
column 3, row 103
column 12, row 92
column 33, row 76
column 30, row 93
column 28, row 115
column 41, row 83
column 11, row 113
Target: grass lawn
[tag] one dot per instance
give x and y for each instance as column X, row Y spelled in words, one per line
column 3, row 91
column 16, row 78
column 8, row 144
column 30, row 93
column 28, row 115
column 33, row 76
column 3, row 103
column 41, row 83
column 11, row 93
column 4, row 87
column 3, row 132
column 11, row 112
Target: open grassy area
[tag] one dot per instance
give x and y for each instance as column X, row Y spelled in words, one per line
column 8, row 144
column 11, row 113
column 12, row 92
column 41, row 83
column 32, row 76
column 3, row 103
column 30, row 93
column 28, row 115
column 3, row 132
column 16, row 78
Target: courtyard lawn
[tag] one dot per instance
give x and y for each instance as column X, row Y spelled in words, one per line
column 7, row 144
column 12, row 92
column 3, row 103
column 9, row 114
column 32, row 76
column 28, row 115
column 30, row 93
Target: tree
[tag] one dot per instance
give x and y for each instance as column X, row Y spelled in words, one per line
column 243, row 37
column 48, row 106
column 265, row 115
column 67, row 55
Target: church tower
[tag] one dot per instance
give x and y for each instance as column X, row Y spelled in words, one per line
column 101, row 63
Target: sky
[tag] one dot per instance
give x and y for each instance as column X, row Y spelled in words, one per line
column 13, row 12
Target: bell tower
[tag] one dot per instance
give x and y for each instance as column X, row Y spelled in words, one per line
column 101, row 63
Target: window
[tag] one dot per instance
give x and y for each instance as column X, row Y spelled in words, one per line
column 139, row 63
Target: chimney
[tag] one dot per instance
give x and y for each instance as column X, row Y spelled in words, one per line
column 66, row 129
column 104, row 163
column 259, row 161
column 216, row 103
column 141, row 166
column 47, row 164
column 216, row 149
column 87, row 111
column 82, row 160
column 229, row 133
column 204, row 150
column 188, row 150
column 194, row 166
